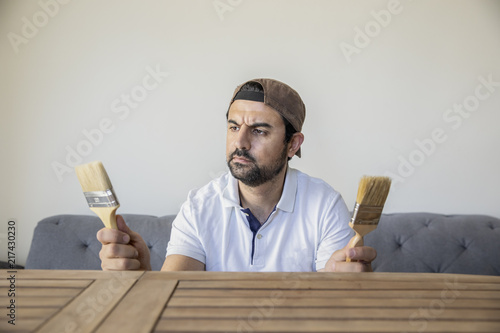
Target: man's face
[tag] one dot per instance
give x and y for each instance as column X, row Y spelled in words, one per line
column 255, row 148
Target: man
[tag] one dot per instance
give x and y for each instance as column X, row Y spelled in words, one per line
column 263, row 215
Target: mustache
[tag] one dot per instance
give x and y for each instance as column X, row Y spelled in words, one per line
column 242, row 153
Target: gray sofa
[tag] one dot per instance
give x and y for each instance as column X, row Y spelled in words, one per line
column 405, row 242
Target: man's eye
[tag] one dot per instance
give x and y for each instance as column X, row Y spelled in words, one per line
column 259, row 132
column 233, row 128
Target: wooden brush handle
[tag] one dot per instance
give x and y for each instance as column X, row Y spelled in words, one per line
column 356, row 240
column 107, row 215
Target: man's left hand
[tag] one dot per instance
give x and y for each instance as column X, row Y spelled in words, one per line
column 362, row 257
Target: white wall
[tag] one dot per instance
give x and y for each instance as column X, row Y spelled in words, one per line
column 365, row 110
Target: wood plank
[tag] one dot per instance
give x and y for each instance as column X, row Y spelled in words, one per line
column 140, row 309
column 258, row 325
column 50, row 292
column 374, row 276
column 58, row 283
column 22, row 325
column 55, row 274
column 315, row 276
column 33, row 313
column 196, row 302
column 27, row 319
column 332, row 293
column 33, row 301
column 339, row 285
column 86, row 311
column 272, row 313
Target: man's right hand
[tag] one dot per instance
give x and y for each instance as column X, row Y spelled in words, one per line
column 123, row 249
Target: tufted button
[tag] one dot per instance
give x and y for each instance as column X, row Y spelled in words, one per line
column 399, row 242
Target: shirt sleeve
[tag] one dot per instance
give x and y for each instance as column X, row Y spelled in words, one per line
column 335, row 231
column 184, row 239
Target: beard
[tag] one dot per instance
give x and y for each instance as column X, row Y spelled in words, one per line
column 252, row 174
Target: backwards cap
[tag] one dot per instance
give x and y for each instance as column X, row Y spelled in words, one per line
column 280, row 97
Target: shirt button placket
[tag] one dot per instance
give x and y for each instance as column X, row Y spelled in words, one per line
column 258, row 258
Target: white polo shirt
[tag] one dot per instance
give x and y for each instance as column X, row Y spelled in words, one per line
column 309, row 223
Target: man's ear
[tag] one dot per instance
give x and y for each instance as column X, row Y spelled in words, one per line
column 295, row 143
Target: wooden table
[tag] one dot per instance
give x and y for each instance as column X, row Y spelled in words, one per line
column 94, row 301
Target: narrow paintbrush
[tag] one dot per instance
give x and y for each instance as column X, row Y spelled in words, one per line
column 98, row 191
column 372, row 193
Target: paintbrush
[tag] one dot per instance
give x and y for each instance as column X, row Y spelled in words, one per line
column 98, row 191
column 372, row 193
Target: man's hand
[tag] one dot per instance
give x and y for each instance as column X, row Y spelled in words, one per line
column 363, row 255
column 123, row 249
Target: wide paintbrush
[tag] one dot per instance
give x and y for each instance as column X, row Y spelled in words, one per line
column 98, row 191
column 372, row 193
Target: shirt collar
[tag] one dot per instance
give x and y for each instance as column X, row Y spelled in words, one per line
column 231, row 195
column 287, row 200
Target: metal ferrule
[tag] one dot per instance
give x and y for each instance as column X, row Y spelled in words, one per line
column 101, row 198
column 364, row 214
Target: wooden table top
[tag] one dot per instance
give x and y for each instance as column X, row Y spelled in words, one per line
column 94, row 301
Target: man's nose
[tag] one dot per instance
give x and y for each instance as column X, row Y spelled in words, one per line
column 243, row 138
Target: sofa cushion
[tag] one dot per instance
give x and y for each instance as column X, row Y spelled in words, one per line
column 405, row 242
column 69, row 241
column 424, row 242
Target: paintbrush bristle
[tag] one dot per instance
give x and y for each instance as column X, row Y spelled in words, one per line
column 373, row 191
column 93, row 177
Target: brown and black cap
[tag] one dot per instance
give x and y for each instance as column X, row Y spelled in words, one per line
column 280, row 97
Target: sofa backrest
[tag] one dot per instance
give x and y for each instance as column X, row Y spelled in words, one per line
column 405, row 242
column 434, row 243
column 69, row 241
